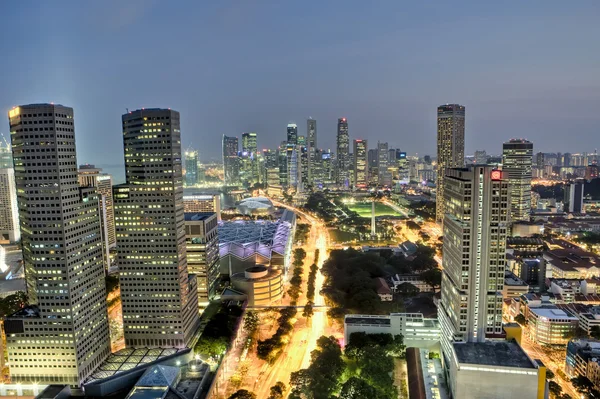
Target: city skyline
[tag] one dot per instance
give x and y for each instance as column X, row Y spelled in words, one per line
column 486, row 75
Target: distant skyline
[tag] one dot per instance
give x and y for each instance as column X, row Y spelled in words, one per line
column 522, row 70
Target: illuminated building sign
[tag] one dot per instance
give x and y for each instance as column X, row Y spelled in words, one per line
column 496, row 175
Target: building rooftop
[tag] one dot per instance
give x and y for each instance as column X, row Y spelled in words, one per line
column 245, row 239
column 552, row 312
column 198, row 216
column 128, row 359
column 493, row 353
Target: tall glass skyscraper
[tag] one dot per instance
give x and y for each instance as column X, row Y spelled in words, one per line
column 450, row 148
column 159, row 296
column 191, row 167
column 311, row 132
column 343, row 153
column 292, row 133
column 231, row 165
column 517, row 161
column 63, row 336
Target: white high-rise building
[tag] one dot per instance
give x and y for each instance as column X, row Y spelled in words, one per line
column 159, row 296
column 9, row 214
column 450, row 149
column 517, row 160
column 475, row 230
column 63, row 336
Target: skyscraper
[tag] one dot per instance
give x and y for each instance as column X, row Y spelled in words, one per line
column 475, row 230
column 9, row 213
column 90, row 176
column 373, row 160
column 292, row 133
column 249, row 159
column 450, row 148
column 343, row 153
column 231, row 166
column 64, row 335
column 311, row 133
column 191, row 167
column 382, row 160
column 361, row 167
column 159, row 296
column 202, row 251
column 517, row 158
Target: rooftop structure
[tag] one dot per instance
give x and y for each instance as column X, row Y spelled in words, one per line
column 243, row 244
column 493, row 353
column 255, row 206
column 571, row 263
column 417, row 330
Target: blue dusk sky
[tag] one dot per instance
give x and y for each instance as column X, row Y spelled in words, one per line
column 522, row 68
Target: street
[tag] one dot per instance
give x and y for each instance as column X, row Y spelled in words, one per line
column 302, row 340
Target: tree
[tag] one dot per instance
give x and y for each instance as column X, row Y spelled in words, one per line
column 432, row 277
column 549, row 374
column 243, row 394
column 595, row 332
column 308, row 310
column 554, row 388
column 251, row 322
column 277, row 391
column 211, row 346
column 357, row 388
column 521, row 320
column 582, row 384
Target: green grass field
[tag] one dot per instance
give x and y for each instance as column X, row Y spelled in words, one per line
column 364, row 209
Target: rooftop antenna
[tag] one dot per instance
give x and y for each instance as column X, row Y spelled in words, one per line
column 127, row 109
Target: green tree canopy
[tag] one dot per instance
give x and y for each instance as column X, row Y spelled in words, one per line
column 243, row 394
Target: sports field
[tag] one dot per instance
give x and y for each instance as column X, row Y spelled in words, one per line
column 364, row 209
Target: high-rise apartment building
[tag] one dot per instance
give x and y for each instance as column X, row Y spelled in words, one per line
column 517, row 159
column 63, row 336
column 202, row 251
column 292, row 133
column 361, row 166
column 231, row 166
column 90, row 176
column 159, row 296
column 311, row 133
column 343, row 153
column 450, row 148
column 475, row 230
column 191, row 167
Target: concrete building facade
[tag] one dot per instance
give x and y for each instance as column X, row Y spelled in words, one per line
column 159, row 296
column 517, row 160
column 64, row 334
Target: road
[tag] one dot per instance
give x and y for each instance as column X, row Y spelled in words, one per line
column 305, row 334
column 535, row 351
column 395, row 207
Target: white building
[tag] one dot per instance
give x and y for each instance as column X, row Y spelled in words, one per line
column 9, row 213
column 417, row 330
column 551, row 325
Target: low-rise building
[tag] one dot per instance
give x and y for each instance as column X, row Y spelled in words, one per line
column 514, row 287
column 495, row 369
column 262, row 285
column 417, row 330
column 579, row 353
column 383, row 290
column 571, row 263
column 549, row 325
column 414, row 279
